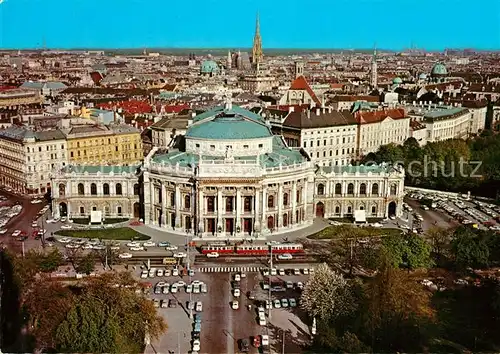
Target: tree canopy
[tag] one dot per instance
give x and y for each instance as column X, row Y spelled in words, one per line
column 101, row 315
column 409, row 250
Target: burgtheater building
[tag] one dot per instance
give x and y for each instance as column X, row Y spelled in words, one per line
column 231, row 177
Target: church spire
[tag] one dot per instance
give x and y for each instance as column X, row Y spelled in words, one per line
column 257, row 43
column 374, row 76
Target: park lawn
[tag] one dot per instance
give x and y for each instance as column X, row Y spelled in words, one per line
column 121, row 233
column 333, row 232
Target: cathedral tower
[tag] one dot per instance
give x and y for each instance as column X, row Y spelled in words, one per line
column 374, row 78
column 257, row 54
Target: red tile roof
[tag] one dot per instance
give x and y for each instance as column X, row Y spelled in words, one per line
column 96, row 77
column 176, row 108
column 300, row 83
column 130, row 107
column 379, row 116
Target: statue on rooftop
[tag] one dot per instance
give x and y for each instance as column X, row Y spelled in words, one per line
column 229, row 154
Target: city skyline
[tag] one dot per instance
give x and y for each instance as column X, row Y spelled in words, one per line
column 116, row 24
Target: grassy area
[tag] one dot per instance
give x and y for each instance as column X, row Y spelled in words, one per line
column 121, row 233
column 85, row 221
column 342, row 231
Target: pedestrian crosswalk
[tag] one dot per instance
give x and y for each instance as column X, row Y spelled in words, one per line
column 230, row 269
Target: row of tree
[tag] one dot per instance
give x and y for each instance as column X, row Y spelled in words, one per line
column 391, row 311
column 452, row 165
column 104, row 314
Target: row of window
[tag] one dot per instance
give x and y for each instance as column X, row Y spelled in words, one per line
column 93, row 189
column 318, row 142
column 350, row 189
column 47, row 148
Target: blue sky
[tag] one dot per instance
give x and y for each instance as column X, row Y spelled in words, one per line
column 391, row 24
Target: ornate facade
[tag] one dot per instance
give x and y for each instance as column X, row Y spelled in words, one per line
column 234, row 178
column 341, row 190
column 114, row 190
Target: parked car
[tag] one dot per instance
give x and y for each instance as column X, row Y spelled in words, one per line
column 235, row 305
column 125, row 255
column 212, row 255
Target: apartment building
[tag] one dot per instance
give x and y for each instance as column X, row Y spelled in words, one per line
column 328, row 136
column 27, row 158
column 381, row 127
column 100, row 144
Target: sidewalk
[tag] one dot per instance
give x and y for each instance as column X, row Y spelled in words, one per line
column 157, row 234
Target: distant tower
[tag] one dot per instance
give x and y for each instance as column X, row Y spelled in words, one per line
column 229, row 59
column 374, row 78
column 239, row 61
column 299, row 69
column 257, row 44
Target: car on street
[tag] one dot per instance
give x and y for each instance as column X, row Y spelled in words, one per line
column 16, row 233
column 296, row 271
column 237, row 277
column 196, row 288
column 236, row 293
column 204, row 288
column 305, row 271
column 168, row 272
column 166, row 288
column 212, row 255
column 191, row 305
column 277, row 304
column 172, row 303
column 65, row 240
column 262, row 321
column 256, row 341
column 158, row 290
column 149, row 244
column 133, row 244
column 152, row 273
column 265, row 339
column 196, row 345
column 66, row 227
column 171, row 248
column 175, row 272
column 274, row 271
column 244, row 345
column 289, row 284
column 199, row 306
column 284, row 303
column 164, row 303
column 261, row 311
column 181, row 283
column 125, row 255
column 174, row 288
column 144, row 274
column 137, row 248
column 180, row 255
column 163, row 244
column 189, row 288
column 235, row 305
column 159, row 273
column 293, row 302
column 281, row 272
column 285, row 256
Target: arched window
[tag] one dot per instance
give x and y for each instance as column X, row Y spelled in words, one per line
column 338, row 189
column 337, row 209
column 349, row 210
column 285, row 220
column 118, row 189
column 350, row 188
column 105, row 189
column 285, row 199
column 62, row 190
column 394, row 189
column 136, row 189
column 375, row 189
column 321, row 189
column 187, row 202
column 362, row 189
column 374, row 210
column 81, row 189
column 270, row 201
column 93, row 189
column 172, row 199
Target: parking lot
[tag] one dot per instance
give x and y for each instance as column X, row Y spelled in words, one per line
column 222, row 328
column 457, row 210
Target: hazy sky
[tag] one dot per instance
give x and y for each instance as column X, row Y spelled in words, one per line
column 390, row 24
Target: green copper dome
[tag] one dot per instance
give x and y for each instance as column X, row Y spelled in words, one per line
column 397, row 81
column 439, row 70
column 208, row 67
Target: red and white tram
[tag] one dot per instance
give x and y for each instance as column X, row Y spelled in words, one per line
column 252, row 249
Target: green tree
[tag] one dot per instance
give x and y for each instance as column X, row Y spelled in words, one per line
column 86, row 264
column 470, row 249
column 410, row 251
column 102, row 315
column 51, row 261
column 440, row 241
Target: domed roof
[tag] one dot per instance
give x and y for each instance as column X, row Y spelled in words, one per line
column 439, row 69
column 397, row 80
column 422, row 76
column 209, row 66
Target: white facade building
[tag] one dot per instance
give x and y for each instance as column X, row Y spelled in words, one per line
column 27, row 158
